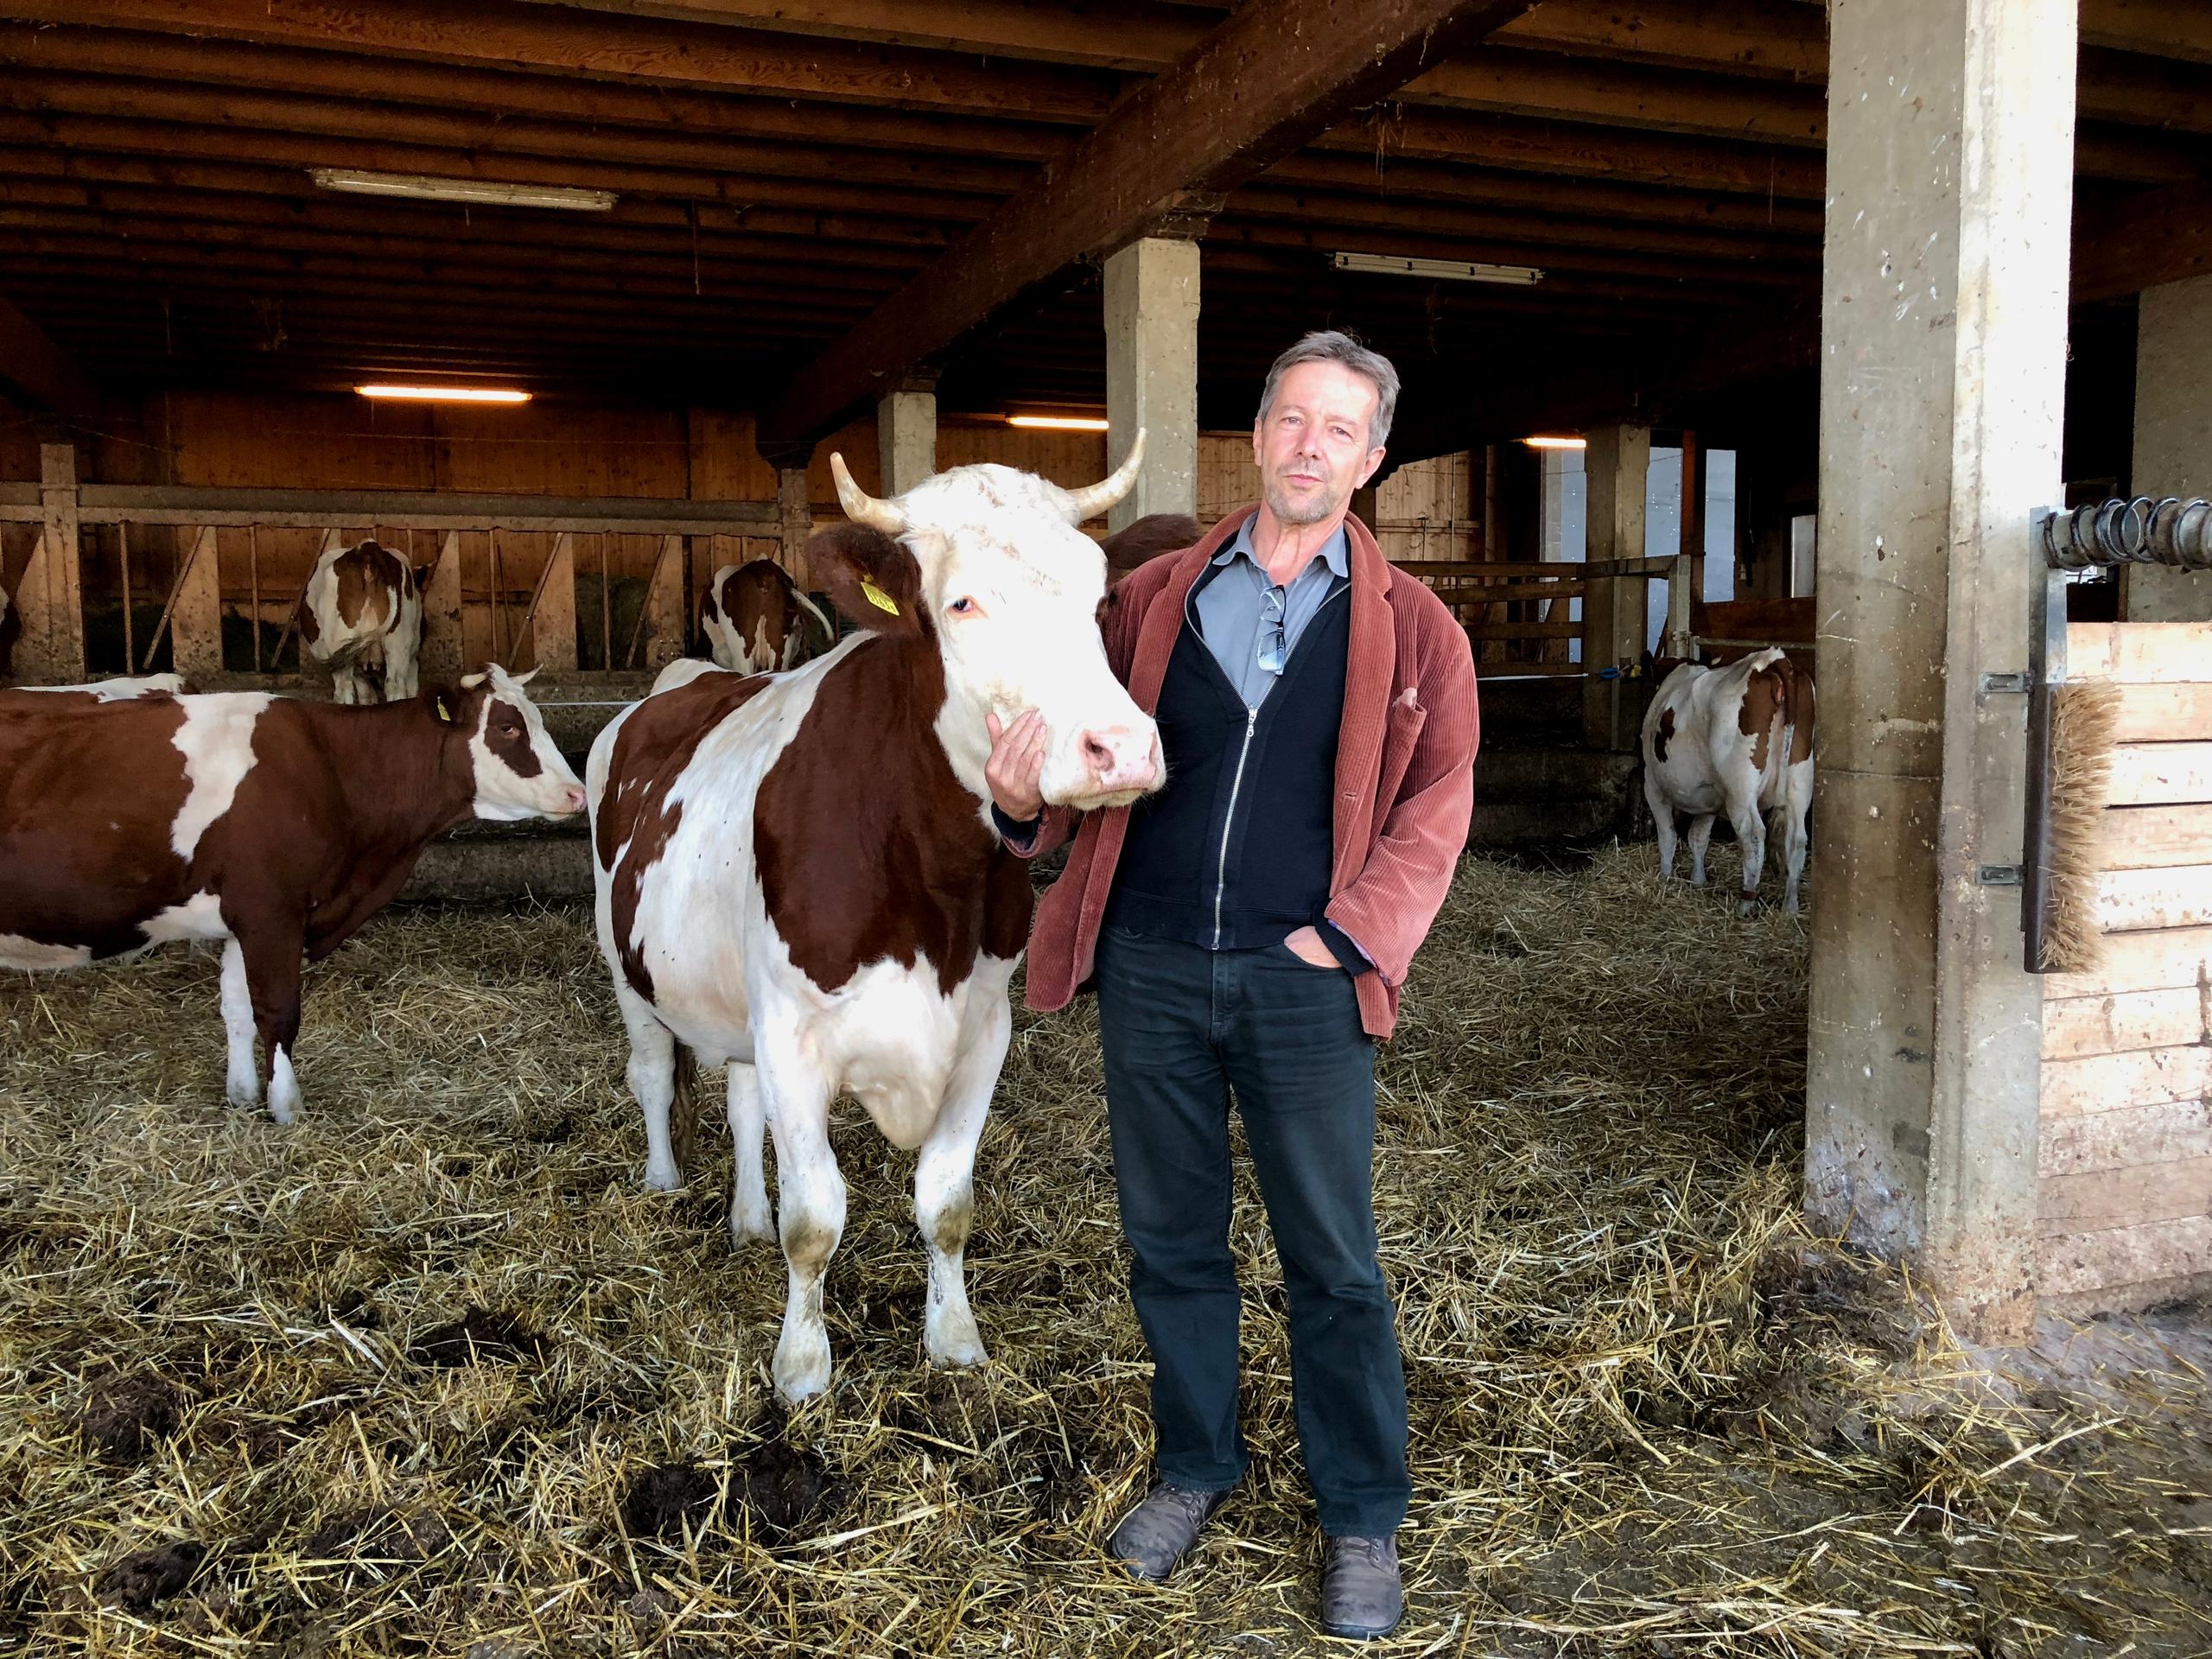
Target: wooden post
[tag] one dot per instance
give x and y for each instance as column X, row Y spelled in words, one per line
column 1686, row 582
column 1493, row 507
column 1943, row 321
column 1616, row 468
column 196, row 620
column 795, row 520
column 51, row 594
column 553, row 611
column 659, row 632
column 442, row 640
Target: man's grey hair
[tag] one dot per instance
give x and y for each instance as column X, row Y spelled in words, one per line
column 1329, row 346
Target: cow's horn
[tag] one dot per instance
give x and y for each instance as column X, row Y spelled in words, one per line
column 861, row 507
column 1105, row 495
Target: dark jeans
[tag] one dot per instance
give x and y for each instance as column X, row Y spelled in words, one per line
column 1182, row 1027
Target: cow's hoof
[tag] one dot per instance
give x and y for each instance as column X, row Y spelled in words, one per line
column 662, row 1180
column 279, row 1112
column 1747, row 908
column 802, row 1366
column 956, row 1343
column 747, row 1226
column 243, row 1095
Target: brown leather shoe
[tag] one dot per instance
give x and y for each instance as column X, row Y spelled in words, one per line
column 1361, row 1595
column 1161, row 1530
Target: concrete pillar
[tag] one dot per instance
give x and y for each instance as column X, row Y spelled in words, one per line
column 1616, row 468
column 1944, row 318
column 906, row 434
column 1151, row 373
column 2173, row 435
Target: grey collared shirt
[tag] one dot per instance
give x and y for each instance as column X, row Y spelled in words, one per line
column 1229, row 608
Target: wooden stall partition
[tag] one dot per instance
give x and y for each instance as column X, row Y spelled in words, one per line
column 2125, row 1161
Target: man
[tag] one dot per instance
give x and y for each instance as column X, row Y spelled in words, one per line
column 1249, row 930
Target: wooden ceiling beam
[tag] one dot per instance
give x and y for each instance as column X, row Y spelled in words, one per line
column 640, row 49
column 39, row 371
column 507, row 91
column 796, row 257
column 932, row 186
column 1176, row 140
column 2155, row 238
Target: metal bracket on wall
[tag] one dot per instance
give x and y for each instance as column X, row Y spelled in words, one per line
column 1993, row 684
column 1998, row 876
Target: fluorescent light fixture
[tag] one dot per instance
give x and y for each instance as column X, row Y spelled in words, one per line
column 447, row 394
column 1548, row 442
column 1450, row 271
column 424, row 187
column 1059, row 423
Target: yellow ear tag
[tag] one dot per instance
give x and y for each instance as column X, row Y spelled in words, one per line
column 877, row 597
column 444, row 714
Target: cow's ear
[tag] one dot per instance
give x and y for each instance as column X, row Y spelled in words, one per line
column 444, row 703
column 874, row 580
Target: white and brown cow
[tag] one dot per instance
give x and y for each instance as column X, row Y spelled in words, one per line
column 1737, row 740
column 797, row 873
column 361, row 618
column 756, row 620
column 276, row 824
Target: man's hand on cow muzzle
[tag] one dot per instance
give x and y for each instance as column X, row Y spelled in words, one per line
column 1017, row 762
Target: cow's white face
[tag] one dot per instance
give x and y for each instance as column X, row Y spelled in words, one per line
column 519, row 774
column 1011, row 590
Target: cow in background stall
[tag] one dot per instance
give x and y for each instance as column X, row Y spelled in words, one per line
column 1147, row 538
column 276, row 824
column 1737, row 741
column 122, row 688
column 756, row 620
column 361, row 618
column 796, row 874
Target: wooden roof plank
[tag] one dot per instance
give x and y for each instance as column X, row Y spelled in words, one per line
column 1263, row 83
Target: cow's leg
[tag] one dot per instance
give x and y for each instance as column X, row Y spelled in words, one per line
column 944, row 1193
column 811, row 1214
column 1662, row 820
column 401, row 682
column 652, row 1080
column 272, row 976
column 1701, row 837
column 749, row 1215
column 242, row 1085
column 1749, row 825
column 1797, row 804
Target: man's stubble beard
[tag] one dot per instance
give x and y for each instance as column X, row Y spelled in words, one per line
column 1287, row 514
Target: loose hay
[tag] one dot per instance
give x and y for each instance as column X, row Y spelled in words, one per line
column 431, row 1373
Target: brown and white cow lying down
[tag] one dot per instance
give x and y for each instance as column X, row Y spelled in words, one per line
column 756, row 620
column 1737, row 741
column 120, row 688
column 276, row 824
column 362, row 619
column 797, row 874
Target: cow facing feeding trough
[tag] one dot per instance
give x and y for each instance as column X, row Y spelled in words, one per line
column 797, row 874
column 276, row 825
column 1736, row 740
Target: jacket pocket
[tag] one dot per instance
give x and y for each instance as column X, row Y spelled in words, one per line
column 1400, row 734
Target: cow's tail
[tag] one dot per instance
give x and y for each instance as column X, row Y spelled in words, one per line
column 684, row 1110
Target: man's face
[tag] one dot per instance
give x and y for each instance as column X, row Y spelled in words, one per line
column 1311, row 443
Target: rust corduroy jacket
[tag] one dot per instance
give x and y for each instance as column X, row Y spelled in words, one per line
column 1405, row 771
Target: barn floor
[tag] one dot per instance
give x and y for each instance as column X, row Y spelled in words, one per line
column 431, row 1374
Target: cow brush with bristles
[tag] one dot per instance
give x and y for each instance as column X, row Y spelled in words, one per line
column 2083, row 717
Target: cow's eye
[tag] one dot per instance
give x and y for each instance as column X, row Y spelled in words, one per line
column 961, row 607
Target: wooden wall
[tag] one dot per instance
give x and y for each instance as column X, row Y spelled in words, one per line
column 1429, row 510
column 2126, row 1144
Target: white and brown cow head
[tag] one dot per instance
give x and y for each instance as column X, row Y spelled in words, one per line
column 989, row 563
column 519, row 772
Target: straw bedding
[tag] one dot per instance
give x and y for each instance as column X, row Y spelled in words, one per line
column 431, row 1374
